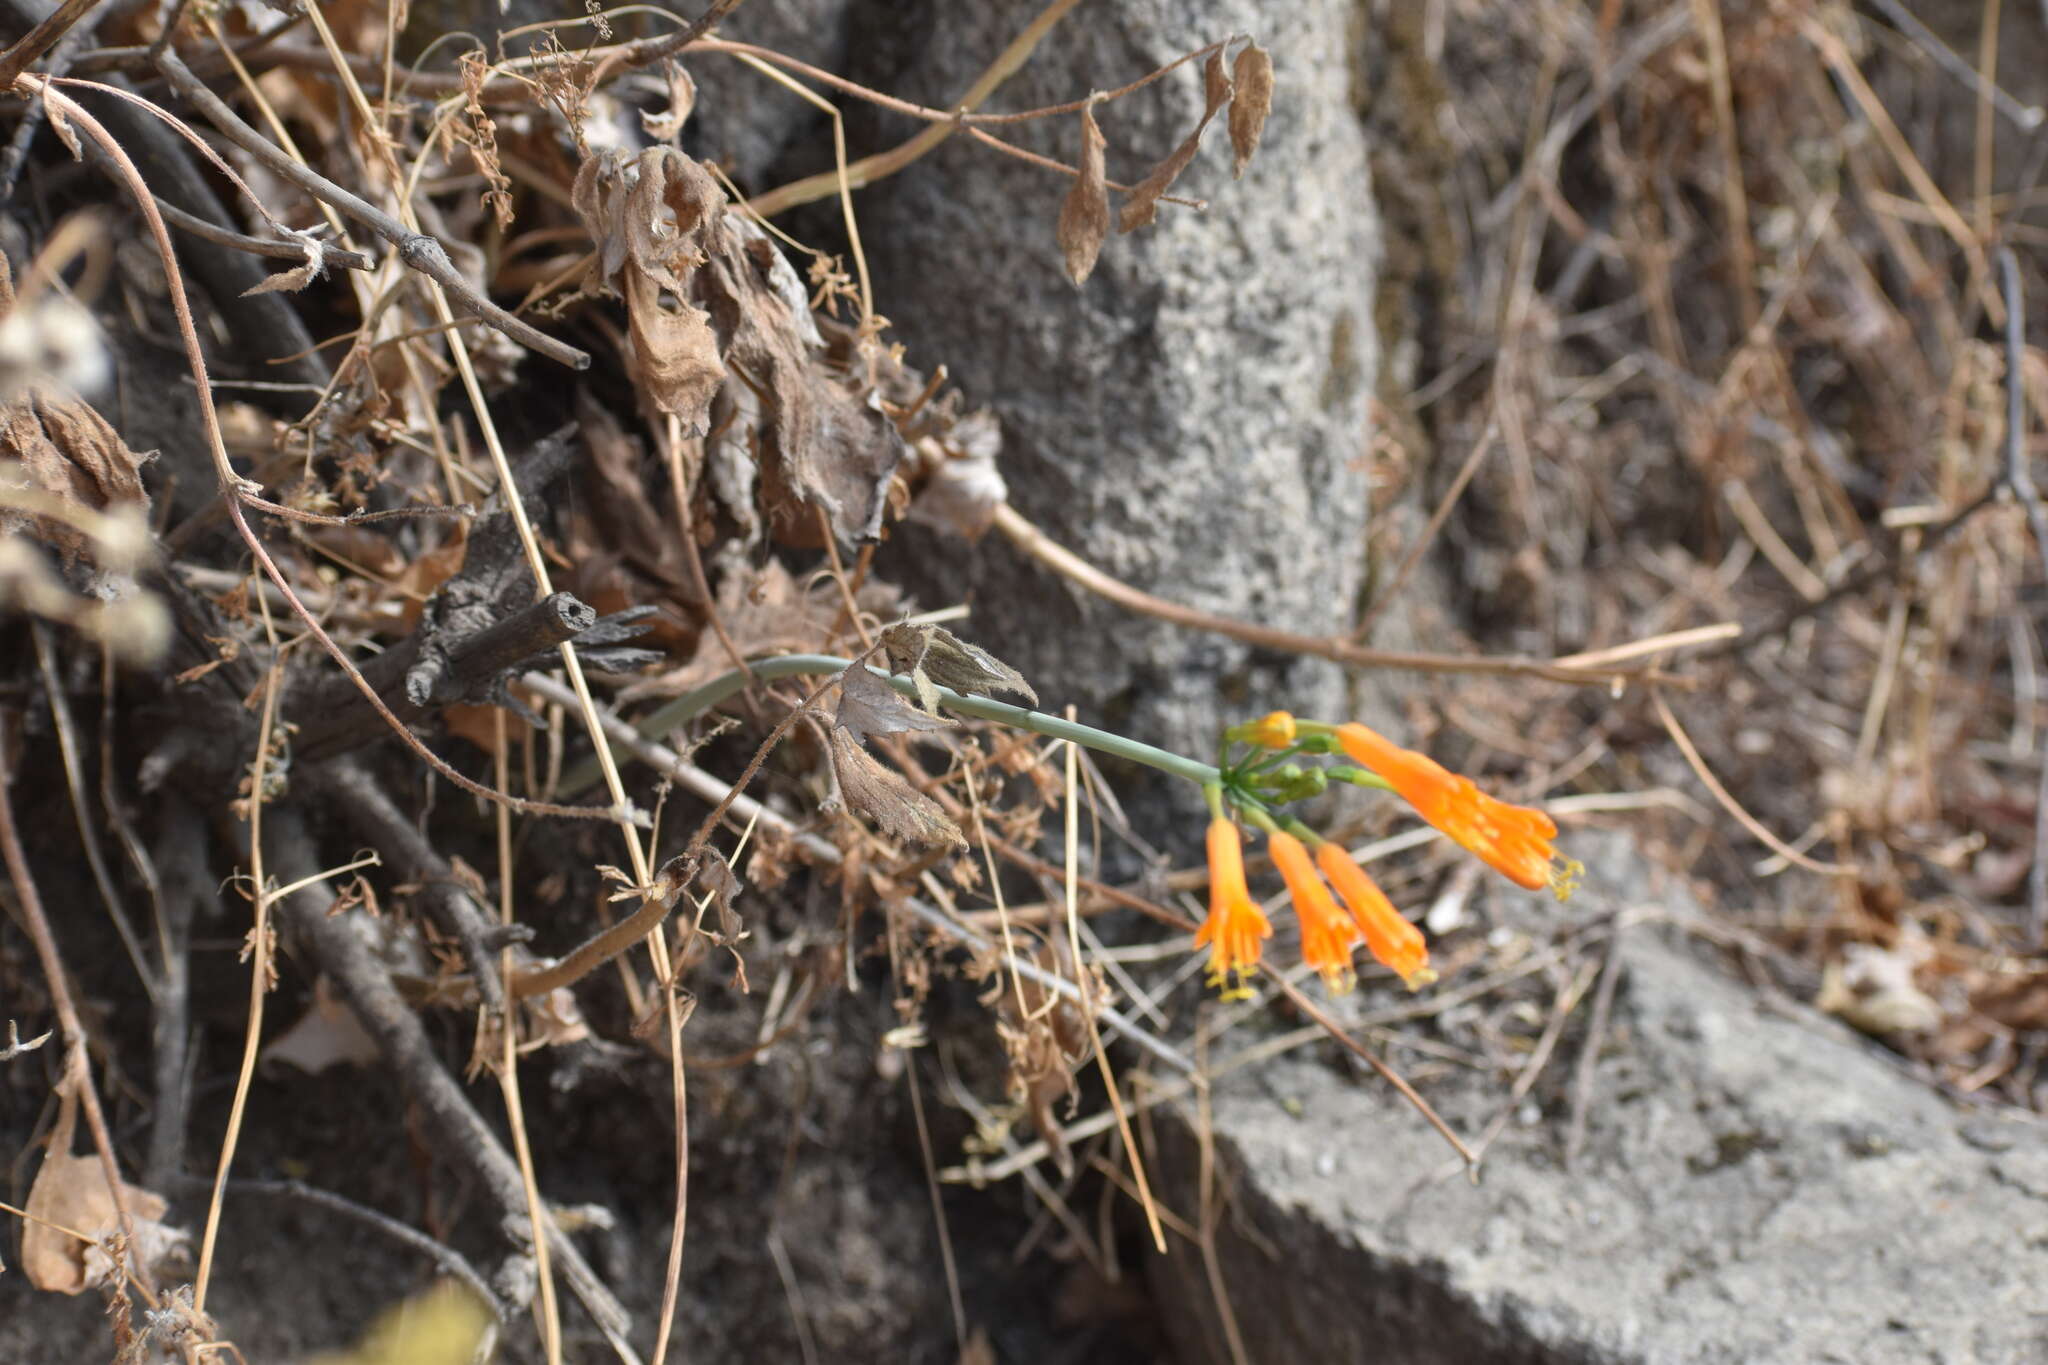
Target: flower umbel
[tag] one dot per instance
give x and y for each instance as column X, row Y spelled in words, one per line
column 1513, row 840
column 1236, row 926
column 1391, row 939
column 1327, row 933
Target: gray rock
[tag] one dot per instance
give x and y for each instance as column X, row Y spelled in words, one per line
column 1193, row 420
column 1755, row 1188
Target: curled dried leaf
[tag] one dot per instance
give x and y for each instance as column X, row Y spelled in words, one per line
column 682, row 98
column 717, row 315
column 1249, row 105
column 933, row 655
column 1084, row 216
column 1143, row 205
column 885, row 797
column 70, row 1195
column 869, row 706
column 293, row 280
column 71, row 456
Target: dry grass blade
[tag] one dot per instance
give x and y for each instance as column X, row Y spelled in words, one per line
column 1729, row 803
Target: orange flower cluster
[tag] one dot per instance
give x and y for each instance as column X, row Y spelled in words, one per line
column 1236, row 926
column 1513, row 840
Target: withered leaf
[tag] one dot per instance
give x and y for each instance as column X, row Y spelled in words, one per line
column 717, row 314
column 1143, row 205
column 884, row 796
column 71, row 1192
column 869, row 706
column 717, row 880
column 682, row 98
column 934, row 655
column 1084, row 216
column 1249, row 105
column 293, row 280
column 70, row 452
column 624, row 512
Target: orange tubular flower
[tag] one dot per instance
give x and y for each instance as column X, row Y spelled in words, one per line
column 1513, row 840
column 1391, row 939
column 1235, row 926
column 1327, row 933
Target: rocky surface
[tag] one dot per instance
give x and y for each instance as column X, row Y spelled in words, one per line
column 1194, row 419
column 1754, row 1187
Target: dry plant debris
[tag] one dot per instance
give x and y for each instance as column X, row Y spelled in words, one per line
column 1786, row 491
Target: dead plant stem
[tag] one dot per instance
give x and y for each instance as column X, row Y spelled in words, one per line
column 77, row 1062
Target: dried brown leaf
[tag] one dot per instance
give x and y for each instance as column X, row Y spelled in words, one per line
column 1250, row 103
column 717, row 313
column 933, row 655
column 682, row 98
column 293, row 280
column 869, row 706
column 625, row 515
column 1143, row 205
column 70, row 452
column 71, row 1192
column 765, row 611
column 884, row 796
column 1084, row 216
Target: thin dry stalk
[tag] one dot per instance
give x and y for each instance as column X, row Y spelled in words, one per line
column 1075, row 569
column 1729, row 803
column 1210, row 1218
column 508, row 1065
column 1123, row 1123
column 260, row 969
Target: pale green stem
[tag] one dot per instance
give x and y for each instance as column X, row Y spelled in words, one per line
column 701, row 699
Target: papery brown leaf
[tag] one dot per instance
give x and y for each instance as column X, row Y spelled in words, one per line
column 765, row 611
column 70, row 452
column 887, row 798
column 716, row 312
column 682, row 98
column 675, row 352
column 71, row 1192
column 1251, row 101
column 1045, row 1037
column 1143, row 205
column 824, row 441
column 869, row 706
column 716, row 879
column 1084, row 215
column 293, row 280
column 934, row 655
